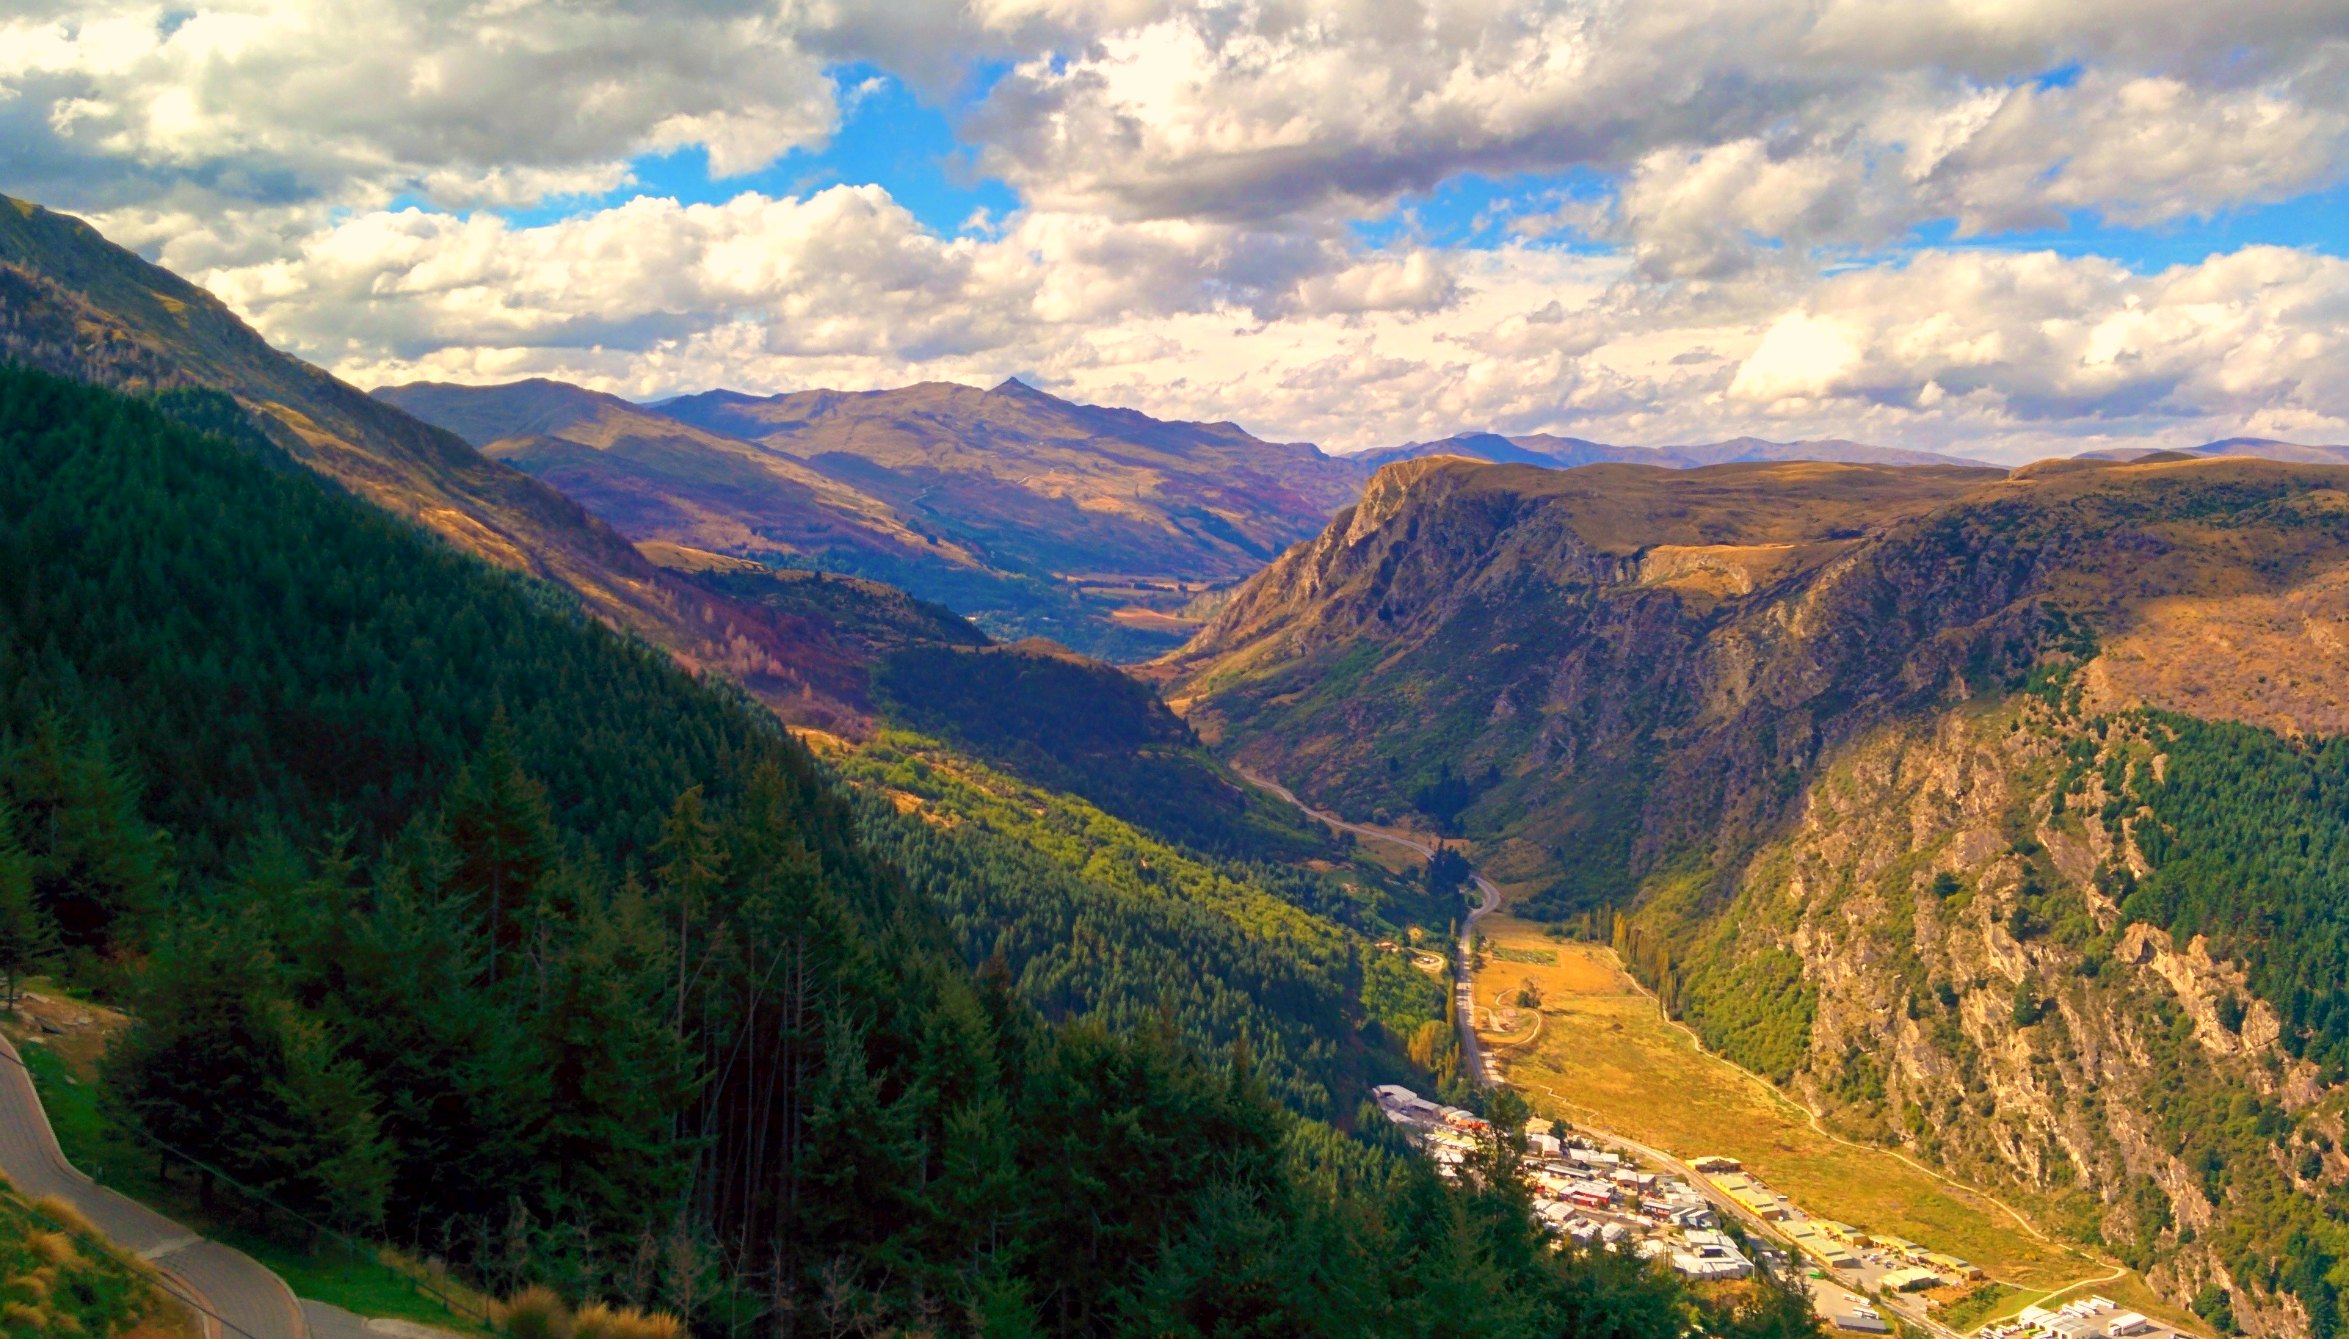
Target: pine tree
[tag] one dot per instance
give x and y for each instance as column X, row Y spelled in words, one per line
column 693, row 862
column 317, row 1142
column 28, row 939
column 504, row 837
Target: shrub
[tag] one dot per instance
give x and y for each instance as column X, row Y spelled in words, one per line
column 535, row 1313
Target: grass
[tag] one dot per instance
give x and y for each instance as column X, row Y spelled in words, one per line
column 57, row 1278
column 1542, row 956
column 1606, row 1059
column 372, row 1286
column 1977, row 1305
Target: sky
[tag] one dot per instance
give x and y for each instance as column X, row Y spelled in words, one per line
column 2011, row 228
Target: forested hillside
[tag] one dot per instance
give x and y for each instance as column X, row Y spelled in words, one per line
column 451, row 915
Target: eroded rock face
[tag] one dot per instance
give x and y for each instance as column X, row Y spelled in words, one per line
column 1932, row 887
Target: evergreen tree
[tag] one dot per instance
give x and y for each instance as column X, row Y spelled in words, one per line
column 504, row 837
column 28, row 940
column 98, row 869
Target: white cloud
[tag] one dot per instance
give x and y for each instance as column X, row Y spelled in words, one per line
column 291, row 99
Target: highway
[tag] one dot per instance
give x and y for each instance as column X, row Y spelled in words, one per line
column 234, row 1295
column 1464, row 995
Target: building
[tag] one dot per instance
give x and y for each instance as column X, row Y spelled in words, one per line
column 1950, row 1265
column 1716, row 1163
column 1862, row 1322
column 1913, row 1279
column 2127, row 1323
column 1711, row 1268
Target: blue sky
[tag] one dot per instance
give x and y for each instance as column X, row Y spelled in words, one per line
column 892, row 136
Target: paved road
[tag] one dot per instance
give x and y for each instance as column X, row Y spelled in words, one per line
column 244, row 1300
column 1464, row 1002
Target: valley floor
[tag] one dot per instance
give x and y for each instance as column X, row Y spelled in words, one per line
column 1598, row 1053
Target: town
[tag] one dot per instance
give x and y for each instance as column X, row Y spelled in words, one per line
column 1602, row 1197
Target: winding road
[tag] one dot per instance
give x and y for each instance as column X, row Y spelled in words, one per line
column 1464, row 1003
column 1484, row 1077
column 235, row 1297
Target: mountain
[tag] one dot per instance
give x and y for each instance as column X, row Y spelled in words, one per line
column 1990, row 815
column 1119, row 515
column 655, row 478
column 1029, row 514
column 2259, row 448
column 1567, row 452
column 73, row 303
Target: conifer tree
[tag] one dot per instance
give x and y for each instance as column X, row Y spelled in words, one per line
column 504, row 837
column 28, row 940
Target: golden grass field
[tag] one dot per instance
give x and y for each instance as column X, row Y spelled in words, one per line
column 1604, row 1058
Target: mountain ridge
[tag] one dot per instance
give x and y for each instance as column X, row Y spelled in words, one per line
column 1567, row 452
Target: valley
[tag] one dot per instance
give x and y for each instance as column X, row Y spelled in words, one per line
column 1959, row 837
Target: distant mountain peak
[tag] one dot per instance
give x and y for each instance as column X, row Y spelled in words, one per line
column 1015, row 386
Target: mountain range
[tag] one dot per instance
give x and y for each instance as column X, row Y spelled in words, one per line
column 1031, row 514
column 1567, row 452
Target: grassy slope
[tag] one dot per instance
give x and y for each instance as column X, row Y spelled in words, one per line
column 1605, row 1057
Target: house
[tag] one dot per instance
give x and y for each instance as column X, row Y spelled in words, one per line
column 1913, row 1279
column 1545, row 1145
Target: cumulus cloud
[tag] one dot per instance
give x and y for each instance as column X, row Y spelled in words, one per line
column 469, row 102
column 1843, row 122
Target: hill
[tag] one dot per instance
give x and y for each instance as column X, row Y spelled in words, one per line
column 1567, row 452
column 1980, row 811
column 2258, row 448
